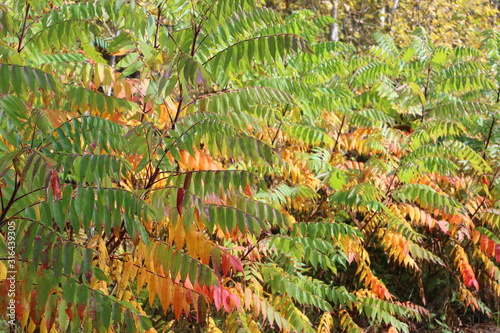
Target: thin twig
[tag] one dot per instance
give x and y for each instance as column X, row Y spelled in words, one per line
column 155, row 44
column 426, row 91
column 338, row 134
column 489, row 137
column 279, row 126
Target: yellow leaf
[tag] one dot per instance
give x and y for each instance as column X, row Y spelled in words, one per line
column 3, row 271
column 141, row 278
column 211, row 327
column 179, row 234
column 411, row 212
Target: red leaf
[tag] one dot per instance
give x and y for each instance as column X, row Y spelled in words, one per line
column 36, row 317
column 236, row 263
column 55, row 185
column 236, row 300
column 217, row 297
column 201, row 312
column 181, row 192
column 225, row 264
column 180, row 198
column 497, row 252
column 475, row 284
column 80, row 308
column 443, row 225
column 225, row 300
column 469, row 278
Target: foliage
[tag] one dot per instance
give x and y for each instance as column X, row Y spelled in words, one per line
column 454, row 22
column 210, row 165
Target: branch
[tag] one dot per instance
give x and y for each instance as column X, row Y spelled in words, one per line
column 151, row 180
column 279, row 126
column 155, row 44
column 23, row 31
column 338, row 135
column 12, row 199
column 426, row 91
column 489, row 137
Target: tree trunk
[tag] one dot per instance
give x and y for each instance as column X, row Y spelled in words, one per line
column 334, row 28
column 382, row 16
column 392, row 11
column 394, row 7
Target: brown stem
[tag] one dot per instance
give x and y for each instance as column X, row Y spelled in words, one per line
column 338, row 134
column 489, row 136
column 179, row 106
column 12, row 199
column 155, row 44
column 250, row 249
column 279, row 126
column 490, row 186
column 318, row 206
column 1, row 198
column 369, row 239
column 390, row 184
column 113, row 242
column 153, row 177
column 143, row 112
column 23, row 32
column 426, row 91
column 197, row 29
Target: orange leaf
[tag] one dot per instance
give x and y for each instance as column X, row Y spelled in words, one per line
column 491, row 248
column 69, row 312
column 484, row 244
column 177, row 303
column 248, row 190
column 165, row 293
column 203, row 163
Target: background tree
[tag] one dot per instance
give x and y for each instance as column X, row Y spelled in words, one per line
column 455, row 22
column 216, row 166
